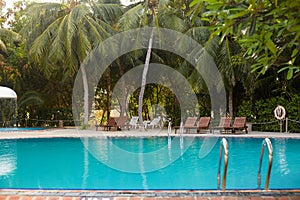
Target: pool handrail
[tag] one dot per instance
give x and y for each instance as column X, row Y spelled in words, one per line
column 265, row 142
column 223, row 145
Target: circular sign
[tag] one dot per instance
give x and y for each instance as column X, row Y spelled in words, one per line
column 279, row 112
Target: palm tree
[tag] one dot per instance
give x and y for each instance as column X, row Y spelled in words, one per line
column 61, row 35
column 7, row 36
column 150, row 13
column 232, row 66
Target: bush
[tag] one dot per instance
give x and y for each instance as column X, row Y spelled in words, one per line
column 261, row 113
column 46, row 117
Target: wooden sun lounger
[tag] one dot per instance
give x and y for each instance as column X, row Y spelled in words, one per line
column 239, row 125
column 121, row 122
column 113, row 123
column 203, row 124
column 189, row 123
column 225, row 123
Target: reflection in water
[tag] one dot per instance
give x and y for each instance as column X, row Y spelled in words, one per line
column 169, row 133
column 181, row 136
column 8, row 160
column 85, row 162
column 141, row 163
column 124, row 155
column 100, row 147
column 282, row 161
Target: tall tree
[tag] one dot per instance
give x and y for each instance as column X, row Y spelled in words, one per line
column 151, row 13
column 61, row 35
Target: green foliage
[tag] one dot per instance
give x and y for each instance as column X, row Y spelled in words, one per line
column 63, row 35
column 242, row 36
column 267, row 32
column 7, row 112
column 261, row 113
column 44, row 117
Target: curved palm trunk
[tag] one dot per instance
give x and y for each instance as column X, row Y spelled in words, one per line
column 108, row 93
column 230, row 102
column 85, row 96
column 230, row 96
column 145, row 71
column 123, row 99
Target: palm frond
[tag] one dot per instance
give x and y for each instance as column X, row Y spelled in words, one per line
column 9, row 35
column 132, row 18
column 40, row 15
column 2, row 46
column 164, row 3
column 65, row 39
column 30, row 97
column 109, row 13
column 83, row 45
column 224, row 64
column 41, row 43
column 212, row 46
column 197, row 81
column 98, row 31
column 57, row 48
column 170, row 20
column 200, row 34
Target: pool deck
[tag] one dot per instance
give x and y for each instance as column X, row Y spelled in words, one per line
column 24, row 194
column 73, row 132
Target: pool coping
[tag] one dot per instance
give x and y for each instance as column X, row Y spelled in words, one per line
column 149, row 193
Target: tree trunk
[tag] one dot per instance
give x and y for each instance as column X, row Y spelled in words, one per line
column 85, row 96
column 230, row 102
column 145, row 71
column 108, row 94
column 123, row 99
column 103, row 114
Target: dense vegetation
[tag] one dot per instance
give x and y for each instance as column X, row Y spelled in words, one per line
column 255, row 45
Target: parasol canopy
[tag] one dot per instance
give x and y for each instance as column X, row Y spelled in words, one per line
column 7, row 93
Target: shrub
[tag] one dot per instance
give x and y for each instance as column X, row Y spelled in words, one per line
column 261, row 113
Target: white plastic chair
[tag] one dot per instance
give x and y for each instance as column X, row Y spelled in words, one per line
column 134, row 122
column 154, row 123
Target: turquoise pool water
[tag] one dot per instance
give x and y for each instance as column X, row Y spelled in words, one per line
column 64, row 163
column 21, row 129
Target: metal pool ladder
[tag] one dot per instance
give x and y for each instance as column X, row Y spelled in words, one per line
column 223, row 145
column 265, row 142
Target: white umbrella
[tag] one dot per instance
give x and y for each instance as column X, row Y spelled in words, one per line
column 8, row 93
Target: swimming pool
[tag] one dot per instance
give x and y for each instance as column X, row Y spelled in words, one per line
column 64, row 163
column 21, row 129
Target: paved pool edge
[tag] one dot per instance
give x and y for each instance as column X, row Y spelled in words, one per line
column 148, row 193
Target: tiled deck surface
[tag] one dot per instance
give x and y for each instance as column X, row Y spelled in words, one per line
column 147, row 198
column 71, row 132
column 141, row 195
column 94, row 195
column 148, row 195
